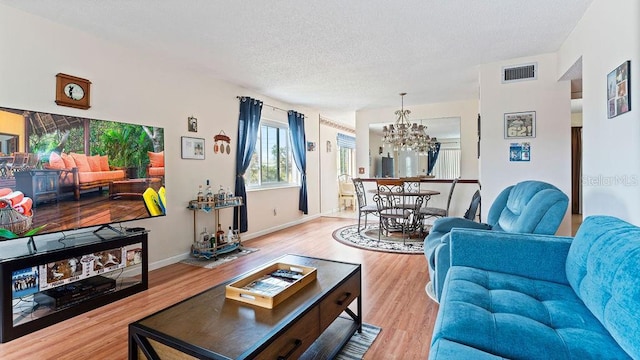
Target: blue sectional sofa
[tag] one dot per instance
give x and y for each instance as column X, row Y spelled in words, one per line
column 526, row 296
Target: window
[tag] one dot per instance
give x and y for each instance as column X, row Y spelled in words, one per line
column 346, row 154
column 272, row 161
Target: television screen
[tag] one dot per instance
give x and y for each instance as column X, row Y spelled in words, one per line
column 60, row 172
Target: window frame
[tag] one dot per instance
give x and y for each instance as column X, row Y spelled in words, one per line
column 294, row 172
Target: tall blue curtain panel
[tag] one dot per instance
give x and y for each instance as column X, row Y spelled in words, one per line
column 298, row 141
column 248, row 125
column 433, row 157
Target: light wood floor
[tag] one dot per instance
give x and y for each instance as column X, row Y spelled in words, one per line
column 393, row 298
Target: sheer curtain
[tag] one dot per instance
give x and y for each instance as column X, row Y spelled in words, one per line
column 248, row 126
column 448, row 164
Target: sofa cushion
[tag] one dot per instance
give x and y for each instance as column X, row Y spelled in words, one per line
column 104, row 163
column 101, row 176
column 156, row 159
column 69, row 163
column 156, row 171
column 602, row 267
column 94, row 162
column 81, row 162
column 515, row 317
column 56, row 162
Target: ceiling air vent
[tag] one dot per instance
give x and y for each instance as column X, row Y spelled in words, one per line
column 519, row 73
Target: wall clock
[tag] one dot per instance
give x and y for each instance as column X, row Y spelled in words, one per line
column 72, row 91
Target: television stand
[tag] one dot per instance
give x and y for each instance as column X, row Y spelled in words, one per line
column 109, row 227
column 65, row 279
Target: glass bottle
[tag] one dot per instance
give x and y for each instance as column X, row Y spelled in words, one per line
column 221, row 196
column 229, row 196
column 230, row 235
column 220, row 235
column 200, row 194
column 208, row 193
column 204, row 238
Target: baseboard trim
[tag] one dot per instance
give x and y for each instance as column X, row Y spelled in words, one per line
column 174, row 259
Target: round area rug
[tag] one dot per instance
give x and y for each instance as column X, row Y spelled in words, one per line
column 368, row 239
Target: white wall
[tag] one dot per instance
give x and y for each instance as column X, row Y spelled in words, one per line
column 131, row 86
column 606, row 36
column 550, row 149
column 466, row 110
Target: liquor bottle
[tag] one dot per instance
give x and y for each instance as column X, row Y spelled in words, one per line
column 204, row 238
column 229, row 196
column 230, row 235
column 221, row 196
column 208, row 193
column 220, row 235
column 200, row 195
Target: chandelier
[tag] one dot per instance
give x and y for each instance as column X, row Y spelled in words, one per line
column 407, row 136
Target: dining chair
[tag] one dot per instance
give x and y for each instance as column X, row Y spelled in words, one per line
column 429, row 212
column 363, row 208
column 470, row 214
column 391, row 203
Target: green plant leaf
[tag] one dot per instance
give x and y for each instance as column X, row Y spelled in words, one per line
column 34, row 230
column 7, row 234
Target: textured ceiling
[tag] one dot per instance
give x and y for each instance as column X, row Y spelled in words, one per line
column 331, row 54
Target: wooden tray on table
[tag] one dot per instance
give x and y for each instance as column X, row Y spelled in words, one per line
column 266, row 288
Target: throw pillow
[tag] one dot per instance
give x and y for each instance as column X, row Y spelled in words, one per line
column 69, row 163
column 94, row 162
column 104, row 163
column 56, row 162
column 81, row 162
column 156, row 159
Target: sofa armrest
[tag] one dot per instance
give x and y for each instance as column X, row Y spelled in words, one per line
column 444, row 225
column 540, row 257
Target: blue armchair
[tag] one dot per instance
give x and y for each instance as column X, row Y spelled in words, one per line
column 533, row 207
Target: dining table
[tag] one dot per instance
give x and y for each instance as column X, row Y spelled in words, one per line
column 412, row 201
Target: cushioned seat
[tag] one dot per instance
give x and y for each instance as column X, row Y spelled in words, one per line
column 528, row 207
column 526, row 296
column 510, row 316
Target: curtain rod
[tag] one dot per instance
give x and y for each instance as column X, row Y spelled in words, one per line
column 271, row 106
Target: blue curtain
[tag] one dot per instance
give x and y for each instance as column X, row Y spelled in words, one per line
column 248, row 125
column 298, row 142
column 433, row 156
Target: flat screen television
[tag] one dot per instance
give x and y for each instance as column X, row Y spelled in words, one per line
column 60, row 172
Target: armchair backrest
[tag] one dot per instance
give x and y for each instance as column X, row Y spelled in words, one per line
column 533, row 207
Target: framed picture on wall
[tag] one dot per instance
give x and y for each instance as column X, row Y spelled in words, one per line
column 520, row 151
column 520, row 125
column 618, row 88
column 192, row 148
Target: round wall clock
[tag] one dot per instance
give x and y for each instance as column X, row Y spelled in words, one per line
column 72, row 91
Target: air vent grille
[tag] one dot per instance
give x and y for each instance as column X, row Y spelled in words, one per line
column 519, row 73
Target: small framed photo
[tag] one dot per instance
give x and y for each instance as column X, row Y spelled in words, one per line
column 192, row 148
column 618, row 88
column 520, row 152
column 311, row 146
column 192, row 124
column 520, row 125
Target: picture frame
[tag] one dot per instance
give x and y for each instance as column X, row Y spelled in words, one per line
column 192, row 124
column 618, row 90
column 311, row 146
column 192, row 148
column 520, row 151
column 520, row 125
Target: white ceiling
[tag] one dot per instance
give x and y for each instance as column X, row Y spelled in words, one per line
column 331, row 54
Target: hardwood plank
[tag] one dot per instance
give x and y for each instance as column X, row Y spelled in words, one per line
column 393, row 298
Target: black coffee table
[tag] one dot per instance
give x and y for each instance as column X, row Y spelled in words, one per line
column 210, row 326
